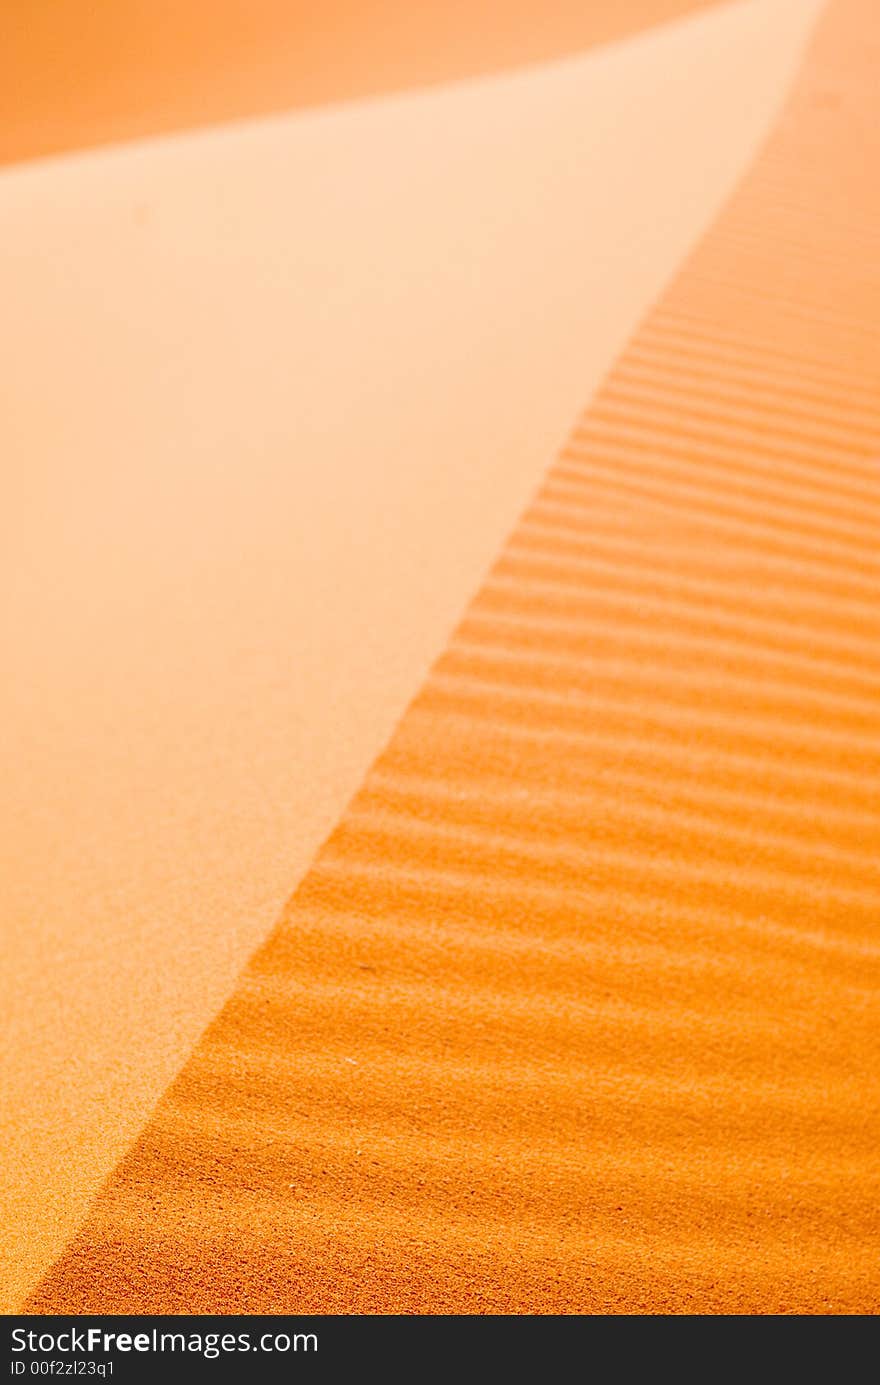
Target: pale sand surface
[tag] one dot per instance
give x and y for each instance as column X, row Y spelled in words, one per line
column 578, row 1007
column 275, row 396
column 86, row 72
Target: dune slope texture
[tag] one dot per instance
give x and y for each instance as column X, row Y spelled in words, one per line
column 577, row 1010
column 267, row 386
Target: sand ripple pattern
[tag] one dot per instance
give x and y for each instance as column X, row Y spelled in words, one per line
column 577, row 1009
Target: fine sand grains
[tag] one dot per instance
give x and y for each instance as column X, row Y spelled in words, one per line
column 577, row 1009
column 276, row 389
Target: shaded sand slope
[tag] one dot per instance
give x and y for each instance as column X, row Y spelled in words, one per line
column 577, row 1008
column 75, row 73
column 260, row 385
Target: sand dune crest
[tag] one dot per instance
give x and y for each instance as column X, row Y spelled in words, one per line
column 530, row 1039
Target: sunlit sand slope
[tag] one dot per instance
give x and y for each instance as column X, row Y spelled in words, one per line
column 577, row 1009
column 274, row 396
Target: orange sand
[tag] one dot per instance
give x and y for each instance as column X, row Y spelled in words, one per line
column 77, row 72
column 196, row 523
column 577, row 1008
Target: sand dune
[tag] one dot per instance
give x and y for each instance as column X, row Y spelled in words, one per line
column 576, row 1009
column 74, row 73
column 267, row 387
